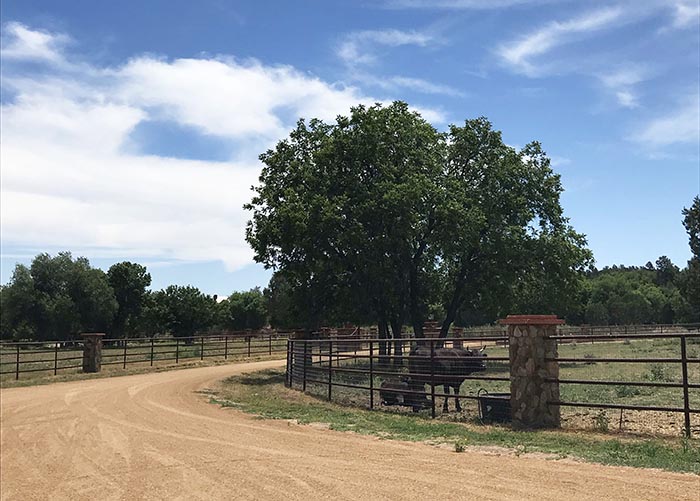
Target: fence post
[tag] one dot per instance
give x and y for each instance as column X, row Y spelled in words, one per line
column 151, row 351
column 124, row 365
column 248, row 339
column 201, row 349
column 55, row 358
column 306, row 349
column 17, row 364
column 226, row 347
column 177, row 350
column 432, row 377
column 286, row 369
column 686, row 400
column 92, row 351
column 371, row 375
column 330, row 368
column 270, row 343
column 534, row 370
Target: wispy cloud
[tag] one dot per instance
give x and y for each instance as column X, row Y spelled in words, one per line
column 360, row 47
column 686, row 13
column 20, row 42
column 622, row 81
column 679, row 126
column 520, row 55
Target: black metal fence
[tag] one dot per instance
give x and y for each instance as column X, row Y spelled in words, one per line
column 374, row 372
column 683, row 360
column 389, row 372
column 54, row 357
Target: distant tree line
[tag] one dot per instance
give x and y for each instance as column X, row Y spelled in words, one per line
column 58, row 297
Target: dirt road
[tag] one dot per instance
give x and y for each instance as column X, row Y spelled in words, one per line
column 151, row 436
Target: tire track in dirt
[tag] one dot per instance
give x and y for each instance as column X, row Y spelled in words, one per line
column 152, row 436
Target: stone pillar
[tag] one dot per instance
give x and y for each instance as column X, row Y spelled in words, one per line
column 529, row 349
column 92, row 351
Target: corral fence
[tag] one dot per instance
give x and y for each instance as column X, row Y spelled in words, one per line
column 17, row 358
column 371, row 372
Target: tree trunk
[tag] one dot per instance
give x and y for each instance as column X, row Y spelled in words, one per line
column 383, row 327
column 396, row 326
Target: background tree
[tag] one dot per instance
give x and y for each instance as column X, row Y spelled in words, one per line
column 129, row 282
column 186, row 310
column 690, row 281
column 57, row 298
column 244, row 310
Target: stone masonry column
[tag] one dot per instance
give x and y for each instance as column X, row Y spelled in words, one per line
column 528, row 350
column 92, row 351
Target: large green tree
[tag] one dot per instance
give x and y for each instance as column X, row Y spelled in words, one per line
column 383, row 213
column 129, row 282
column 57, row 298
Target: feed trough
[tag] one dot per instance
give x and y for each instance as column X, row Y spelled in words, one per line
column 494, row 407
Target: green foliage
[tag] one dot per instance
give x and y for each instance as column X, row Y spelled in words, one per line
column 186, row 310
column 636, row 295
column 244, row 310
column 56, row 298
column 382, row 215
column 129, row 282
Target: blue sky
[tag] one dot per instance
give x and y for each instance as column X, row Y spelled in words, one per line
column 131, row 130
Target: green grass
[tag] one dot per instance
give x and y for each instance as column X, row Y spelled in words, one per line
column 263, row 394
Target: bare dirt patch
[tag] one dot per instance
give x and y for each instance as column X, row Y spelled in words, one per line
column 153, row 436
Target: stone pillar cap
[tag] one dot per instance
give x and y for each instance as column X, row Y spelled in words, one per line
column 92, row 334
column 531, row 320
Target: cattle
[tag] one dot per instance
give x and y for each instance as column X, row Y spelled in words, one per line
column 401, row 392
column 450, row 368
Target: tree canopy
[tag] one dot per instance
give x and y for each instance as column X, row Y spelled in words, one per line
column 380, row 214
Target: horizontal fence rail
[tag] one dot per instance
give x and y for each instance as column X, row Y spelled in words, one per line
column 683, row 360
column 54, row 357
column 384, row 370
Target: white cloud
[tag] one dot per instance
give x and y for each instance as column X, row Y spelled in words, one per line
column 681, row 125
column 20, row 42
column 685, row 13
column 622, row 81
column 68, row 183
column 359, row 47
column 520, row 54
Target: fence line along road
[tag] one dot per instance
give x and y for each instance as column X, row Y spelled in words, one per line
column 18, row 358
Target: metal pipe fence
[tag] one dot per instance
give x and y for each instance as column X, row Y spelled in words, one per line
column 18, row 358
column 374, row 370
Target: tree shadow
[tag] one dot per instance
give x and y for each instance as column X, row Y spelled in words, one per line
column 261, row 378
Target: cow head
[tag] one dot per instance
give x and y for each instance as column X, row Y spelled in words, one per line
column 478, row 362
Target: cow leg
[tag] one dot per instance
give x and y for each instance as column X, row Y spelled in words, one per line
column 457, row 404
column 445, row 407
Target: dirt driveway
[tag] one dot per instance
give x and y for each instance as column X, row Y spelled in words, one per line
column 151, row 436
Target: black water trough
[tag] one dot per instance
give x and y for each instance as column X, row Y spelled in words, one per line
column 494, row 407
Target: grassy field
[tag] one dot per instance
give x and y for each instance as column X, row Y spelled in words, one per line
column 644, row 422
column 263, row 394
